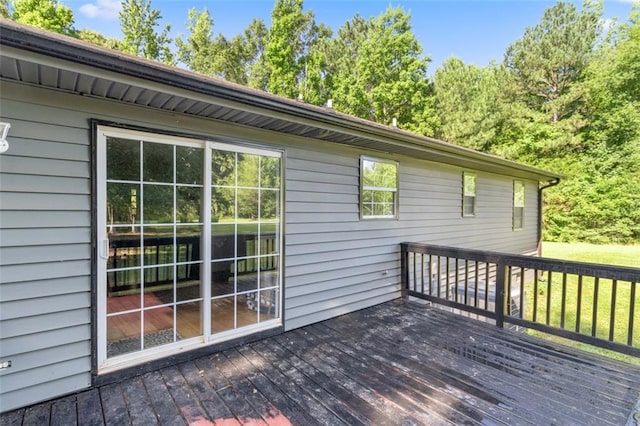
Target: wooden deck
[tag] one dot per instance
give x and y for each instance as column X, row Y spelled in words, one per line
column 396, row 363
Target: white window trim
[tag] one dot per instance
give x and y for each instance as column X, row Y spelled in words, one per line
column 475, row 193
column 395, row 190
column 513, row 204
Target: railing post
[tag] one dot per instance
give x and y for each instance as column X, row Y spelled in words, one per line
column 501, row 271
column 404, row 270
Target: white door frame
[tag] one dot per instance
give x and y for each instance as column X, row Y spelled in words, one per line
column 105, row 364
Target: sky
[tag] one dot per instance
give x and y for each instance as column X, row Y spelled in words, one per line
column 476, row 31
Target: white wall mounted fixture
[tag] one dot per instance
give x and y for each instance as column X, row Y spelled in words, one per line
column 4, row 130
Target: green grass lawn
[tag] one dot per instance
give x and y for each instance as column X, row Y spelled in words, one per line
column 582, row 252
column 614, row 255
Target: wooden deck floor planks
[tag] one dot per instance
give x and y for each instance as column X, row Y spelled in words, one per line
column 568, row 372
column 396, row 363
column 531, row 387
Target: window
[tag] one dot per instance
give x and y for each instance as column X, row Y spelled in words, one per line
column 468, row 194
column 190, row 243
column 378, row 188
column 518, row 204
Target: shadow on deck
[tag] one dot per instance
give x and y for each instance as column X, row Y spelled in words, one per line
column 396, row 363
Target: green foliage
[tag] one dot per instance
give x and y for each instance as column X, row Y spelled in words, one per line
column 98, row 39
column 551, row 57
column 600, row 204
column 289, row 52
column 242, row 59
column 46, row 14
column 239, row 59
column 380, row 74
column 4, row 9
column 465, row 101
column 138, row 22
column 196, row 51
column 571, row 106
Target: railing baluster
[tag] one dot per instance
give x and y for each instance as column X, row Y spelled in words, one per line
column 158, row 261
column 509, row 291
column 430, row 281
column 438, row 278
column 595, row 306
column 415, row 275
column 632, row 303
column 548, row 313
column 422, row 274
column 466, row 281
column 612, row 319
column 455, row 284
column 579, row 304
column 475, row 287
column 499, row 302
column 535, row 295
column 522, row 272
column 447, row 279
column 404, row 258
column 564, row 299
column 486, row 286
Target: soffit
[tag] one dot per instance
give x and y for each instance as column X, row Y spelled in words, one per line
column 86, row 70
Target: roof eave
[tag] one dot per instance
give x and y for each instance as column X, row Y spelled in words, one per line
column 69, row 49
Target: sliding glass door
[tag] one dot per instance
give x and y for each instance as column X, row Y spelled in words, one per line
column 245, row 237
column 189, row 243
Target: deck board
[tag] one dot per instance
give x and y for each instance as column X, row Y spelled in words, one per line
column 396, row 363
column 163, row 405
column 89, row 408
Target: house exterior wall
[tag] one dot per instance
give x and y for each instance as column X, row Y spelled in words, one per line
column 337, row 263
column 334, row 261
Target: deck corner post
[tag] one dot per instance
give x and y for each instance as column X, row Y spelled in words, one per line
column 501, row 272
column 404, row 270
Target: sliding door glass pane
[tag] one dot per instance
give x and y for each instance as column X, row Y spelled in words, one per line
column 158, row 162
column 154, row 213
column 245, row 198
column 123, row 159
column 189, row 162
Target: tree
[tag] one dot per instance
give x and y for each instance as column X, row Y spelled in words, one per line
column 252, row 46
column 195, row 51
column 465, row 102
column 291, row 37
column 613, row 87
column 610, row 192
column 234, row 60
column 550, row 59
column 46, row 14
column 138, row 22
column 597, row 201
column 315, row 81
column 4, row 9
column 95, row 37
column 379, row 72
column 241, row 58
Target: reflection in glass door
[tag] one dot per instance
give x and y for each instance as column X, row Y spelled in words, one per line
column 154, row 226
column 189, row 243
column 245, row 237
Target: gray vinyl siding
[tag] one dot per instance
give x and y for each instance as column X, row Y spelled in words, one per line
column 337, row 263
column 334, row 262
column 45, row 256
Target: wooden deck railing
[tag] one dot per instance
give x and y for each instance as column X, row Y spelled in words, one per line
column 125, row 254
column 586, row 302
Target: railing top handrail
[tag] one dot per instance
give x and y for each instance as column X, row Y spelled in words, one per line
column 623, row 273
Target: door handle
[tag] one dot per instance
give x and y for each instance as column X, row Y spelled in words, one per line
column 104, row 249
